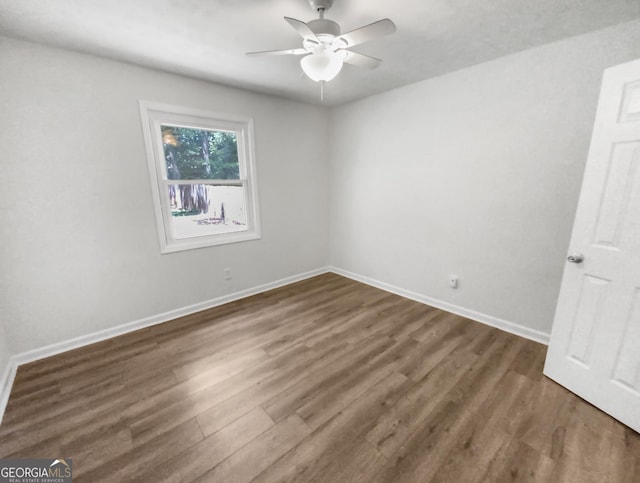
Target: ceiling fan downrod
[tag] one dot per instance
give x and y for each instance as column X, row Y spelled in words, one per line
column 321, row 6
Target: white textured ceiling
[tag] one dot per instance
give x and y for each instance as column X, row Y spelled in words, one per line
column 207, row 39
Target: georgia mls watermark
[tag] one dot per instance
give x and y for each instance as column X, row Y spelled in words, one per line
column 36, row 470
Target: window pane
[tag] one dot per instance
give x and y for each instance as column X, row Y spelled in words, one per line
column 202, row 209
column 200, row 154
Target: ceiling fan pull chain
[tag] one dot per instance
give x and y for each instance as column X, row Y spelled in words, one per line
column 321, row 91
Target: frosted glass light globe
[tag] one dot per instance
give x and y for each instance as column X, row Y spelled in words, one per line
column 322, row 66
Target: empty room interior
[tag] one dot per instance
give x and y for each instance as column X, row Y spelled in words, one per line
column 397, row 242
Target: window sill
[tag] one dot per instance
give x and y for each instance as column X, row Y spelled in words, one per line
column 207, row 241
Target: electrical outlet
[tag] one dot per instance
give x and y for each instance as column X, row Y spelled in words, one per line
column 453, row 281
column 227, row 274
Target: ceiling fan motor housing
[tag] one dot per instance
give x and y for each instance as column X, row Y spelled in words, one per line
column 325, row 26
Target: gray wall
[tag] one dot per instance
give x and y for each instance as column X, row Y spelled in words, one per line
column 475, row 173
column 5, row 354
column 71, row 131
column 5, row 367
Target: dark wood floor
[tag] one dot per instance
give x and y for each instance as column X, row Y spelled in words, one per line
column 325, row 380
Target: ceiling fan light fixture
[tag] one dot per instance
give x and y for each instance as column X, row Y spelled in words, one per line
column 325, row 49
column 323, row 65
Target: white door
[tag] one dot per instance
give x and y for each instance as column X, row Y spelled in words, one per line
column 595, row 342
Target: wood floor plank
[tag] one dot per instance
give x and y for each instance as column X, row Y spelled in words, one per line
column 336, row 397
column 516, row 462
column 205, row 455
column 247, row 463
column 478, row 439
column 111, row 446
column 444, row 338
column 288, row 401
column 328, row 449
column 58, row 419
column 357, row 464
column 143, row 458
column 590, row 431
column 216, row 417
column 420, row 456
column 394, row 427
column 226, row 367
column 546, row 418
column 454, row 382
column 419, row 316
column 164, row 417
column 325, row 380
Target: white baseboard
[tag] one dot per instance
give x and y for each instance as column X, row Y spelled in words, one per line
column 16, row 360
column 9, row 373
column 67, row 345
column 511, row 327
column 6, row 382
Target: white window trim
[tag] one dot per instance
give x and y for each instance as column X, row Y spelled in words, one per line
column 153, row 115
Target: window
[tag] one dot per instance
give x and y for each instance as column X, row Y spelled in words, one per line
column 202, row 176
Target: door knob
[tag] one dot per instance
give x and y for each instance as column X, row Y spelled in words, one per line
column 576, row 258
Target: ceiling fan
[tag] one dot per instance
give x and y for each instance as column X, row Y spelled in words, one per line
column 325, row 49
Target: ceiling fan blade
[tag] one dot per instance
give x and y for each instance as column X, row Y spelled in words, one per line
column 368, row 32
column 302, row 28
column 279, row 52
column 361, row 60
